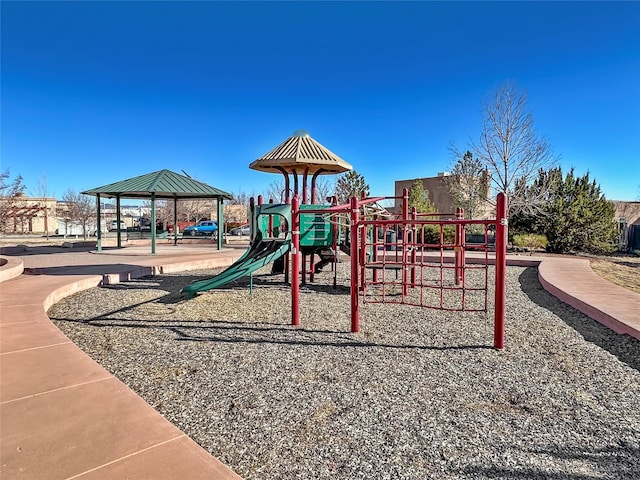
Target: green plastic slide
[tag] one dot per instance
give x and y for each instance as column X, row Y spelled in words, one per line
column 261, row 253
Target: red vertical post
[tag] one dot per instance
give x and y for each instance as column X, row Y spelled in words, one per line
column 414, row 245
column 355, row 310
column 376, row 235
column 405, row 237
column 501, row 268
column 363, row 250
column 334, row 245
column 405, row 204
column 458, row 247
column 295, row 262
column 463, row 243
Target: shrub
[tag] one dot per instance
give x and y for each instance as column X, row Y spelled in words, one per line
column 530, row 241
column 430, row 234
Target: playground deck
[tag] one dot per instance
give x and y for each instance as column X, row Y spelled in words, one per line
column 63, row 416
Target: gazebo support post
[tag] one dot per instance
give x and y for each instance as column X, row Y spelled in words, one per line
column 98, row 230
column 153, row 223
column 175, row 221
column 118, row 232
column 220, row 222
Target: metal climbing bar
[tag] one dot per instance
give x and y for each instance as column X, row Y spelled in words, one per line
column 425, row 261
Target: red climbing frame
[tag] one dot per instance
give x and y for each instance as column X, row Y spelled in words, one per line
column 405, row 266
column 400, row 268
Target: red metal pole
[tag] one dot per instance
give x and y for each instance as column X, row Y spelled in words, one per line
column 355, row 310
column 463, row 241
column 458, row 248
column 295, row 262
column 363, row 250
column 334, row 243
column 414, row 242
column 501, row 268
column 405, row 237
column 376, row 233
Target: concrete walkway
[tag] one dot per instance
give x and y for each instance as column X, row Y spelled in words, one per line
column 64, row 417
column 573, row 282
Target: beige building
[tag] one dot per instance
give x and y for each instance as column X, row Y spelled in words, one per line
column 236, row 213
column 29, row 215
column 439, row 195
column 627, row 213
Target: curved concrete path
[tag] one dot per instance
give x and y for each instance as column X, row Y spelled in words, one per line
column 62, row 416
column 573, row 282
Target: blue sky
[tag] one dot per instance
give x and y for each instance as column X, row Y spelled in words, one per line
column 95, row 92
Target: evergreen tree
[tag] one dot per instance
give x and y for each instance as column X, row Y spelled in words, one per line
column 419, row 198
column 350, row 184
column 577, row 217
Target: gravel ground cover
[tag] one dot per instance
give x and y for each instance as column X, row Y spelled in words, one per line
column 417, row 394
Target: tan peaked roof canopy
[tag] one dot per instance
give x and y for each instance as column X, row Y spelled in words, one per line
column 299, row 152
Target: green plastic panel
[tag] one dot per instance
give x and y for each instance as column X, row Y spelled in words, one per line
column 315, row 230
column 277, row 212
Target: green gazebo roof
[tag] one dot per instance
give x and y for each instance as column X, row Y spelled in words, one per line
column 163, row 183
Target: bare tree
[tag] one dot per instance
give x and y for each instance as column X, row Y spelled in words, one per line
column 194, row 210
column 77, row 208
column 10, row 193
column 277, row 193
column 42, row 191
column 468, row 183
column 510, row 148
column 239, row 198
column 325, row 188
column 164, row 212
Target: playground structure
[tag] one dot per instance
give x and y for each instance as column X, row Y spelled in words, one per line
column 403, row 263
column 392, row 259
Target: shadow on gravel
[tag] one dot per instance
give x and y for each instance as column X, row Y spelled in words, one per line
column 78, row 247
column 624, row 347
column 270, row 281
column 619, row 462
column 88, row 269
column 220, row 331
